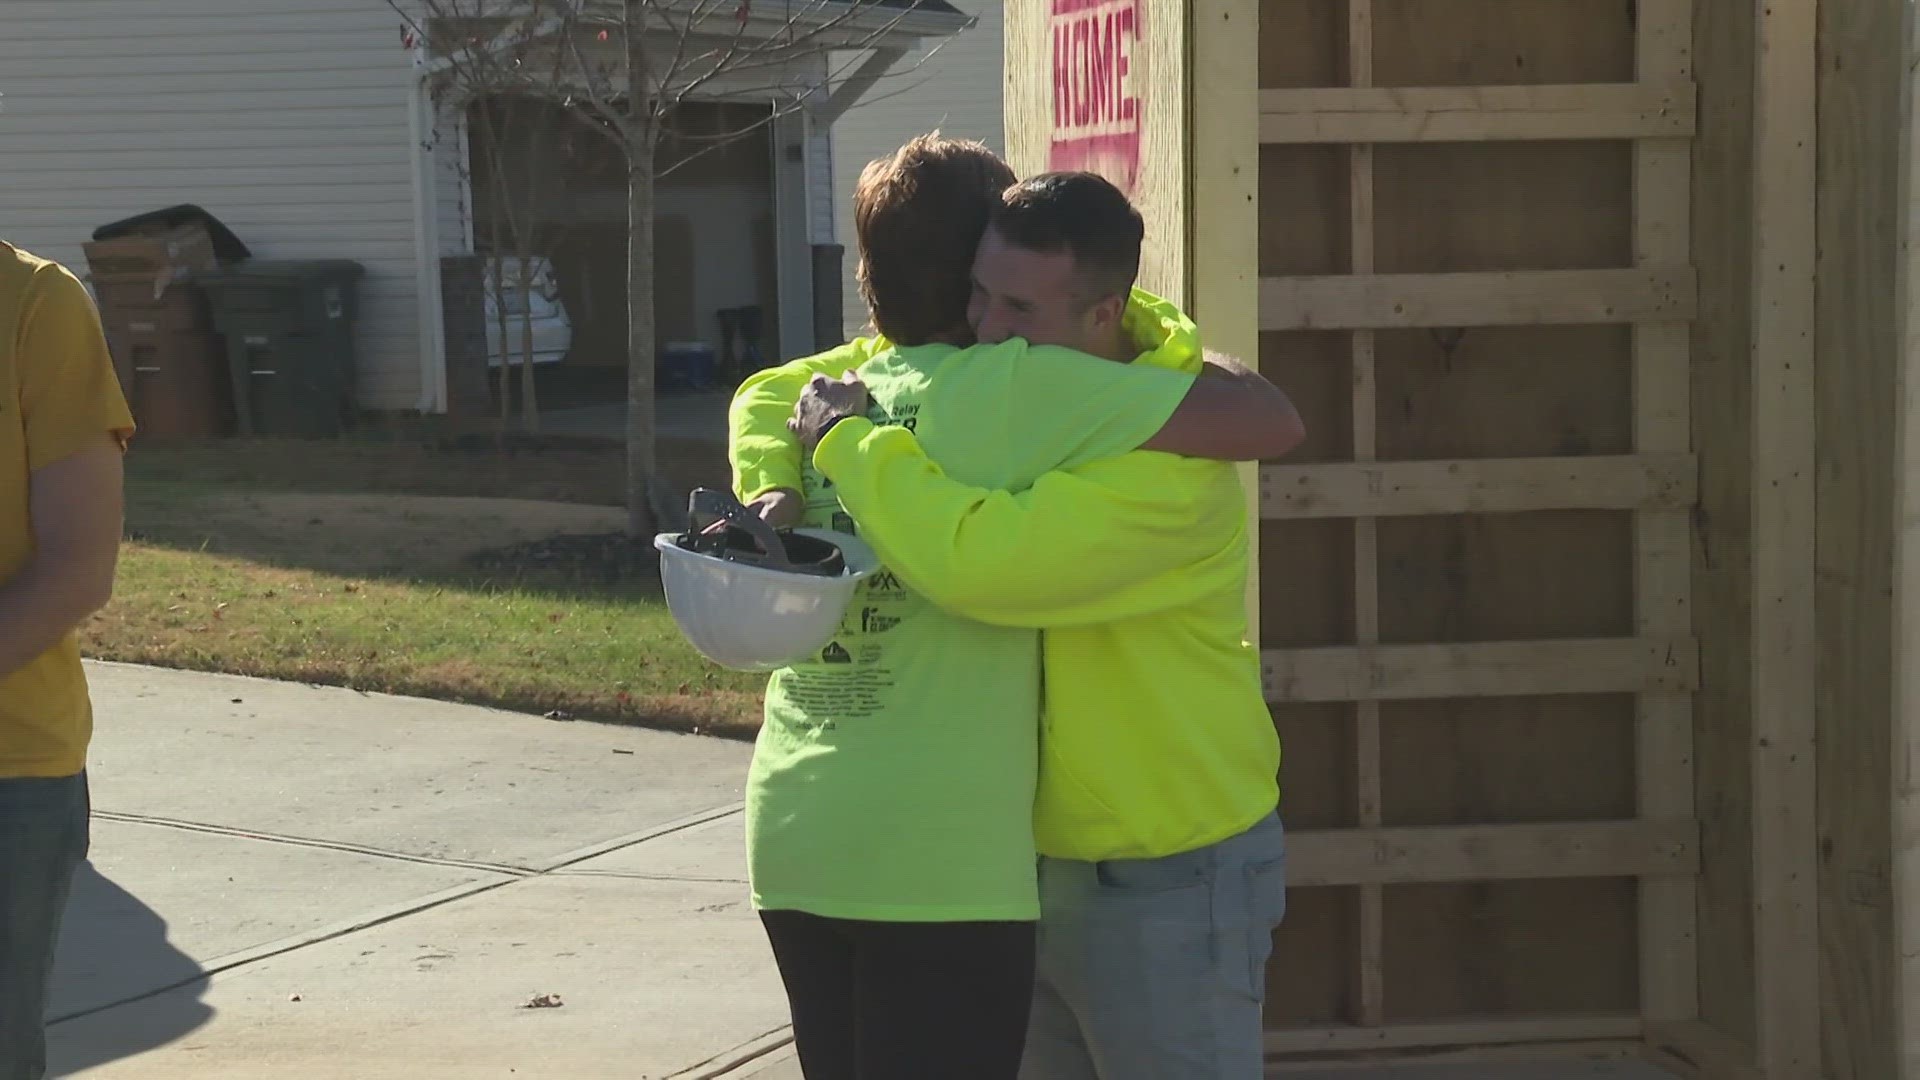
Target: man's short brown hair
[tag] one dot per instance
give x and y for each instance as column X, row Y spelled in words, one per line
column 1079, row 212
column 918, row 216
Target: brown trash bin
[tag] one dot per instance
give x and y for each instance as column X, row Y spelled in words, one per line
column 131, row 305
column 172, row 369
column 175, row 382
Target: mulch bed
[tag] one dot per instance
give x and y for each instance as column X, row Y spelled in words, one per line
column 610, row 558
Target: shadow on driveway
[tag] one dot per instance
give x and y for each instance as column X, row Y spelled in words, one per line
column 114, row 949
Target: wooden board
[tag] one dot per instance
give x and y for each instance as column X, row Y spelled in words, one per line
column 1222, row 185
column 1722, row 414
column 1144, row 148
column 1476, row 113
column 1480, row 669
column 1904, row 803
column 1859, row 307
column 1502, row 43
column 1690, row 1048
column 1490, row 486
column 1301, row 1040
column 1363, row 243
column 1511, row 950
column 1782, row 457
column 1502, row 298
column 1663, row 589
column 1580, row 739
column 1487, row 853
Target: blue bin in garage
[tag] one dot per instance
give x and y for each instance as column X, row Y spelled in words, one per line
column 684, row 365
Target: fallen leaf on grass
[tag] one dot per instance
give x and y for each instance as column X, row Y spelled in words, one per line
column 544, row 1001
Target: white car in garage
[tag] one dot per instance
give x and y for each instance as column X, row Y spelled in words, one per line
column 552, row 331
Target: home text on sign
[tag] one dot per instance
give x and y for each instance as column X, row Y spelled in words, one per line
column 1096, row 113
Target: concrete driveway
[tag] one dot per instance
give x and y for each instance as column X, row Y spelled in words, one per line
column 291, row 881
column 295, row 881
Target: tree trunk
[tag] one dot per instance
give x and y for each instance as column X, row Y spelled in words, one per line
column 499, row 288
column 639, row 134
column 641, row 464
column 529, row 402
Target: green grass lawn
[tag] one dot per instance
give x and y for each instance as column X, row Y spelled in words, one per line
column 376, row 592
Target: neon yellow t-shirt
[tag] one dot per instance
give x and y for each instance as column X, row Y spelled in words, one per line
column 894, row 777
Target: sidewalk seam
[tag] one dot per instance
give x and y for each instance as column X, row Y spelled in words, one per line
column 730, row 1061
column 403, row 909
column 311, row 842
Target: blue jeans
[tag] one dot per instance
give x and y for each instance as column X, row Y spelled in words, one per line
column 1156, row 969
column 43, row 840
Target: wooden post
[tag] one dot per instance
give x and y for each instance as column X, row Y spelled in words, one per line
column 1905, row 765
column 1786, row 917
column 1366, row 530
column 1663, row 587
column 1223, row 179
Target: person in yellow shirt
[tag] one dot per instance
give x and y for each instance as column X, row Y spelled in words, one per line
column 1162, row 870
column 63, row 428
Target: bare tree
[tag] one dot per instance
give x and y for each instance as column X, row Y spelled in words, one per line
column 627, row 65
column 515, row 184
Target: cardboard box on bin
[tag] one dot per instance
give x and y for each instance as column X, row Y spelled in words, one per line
column 155, row 261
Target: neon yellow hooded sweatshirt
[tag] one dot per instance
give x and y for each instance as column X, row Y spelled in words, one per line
column 1156, row 736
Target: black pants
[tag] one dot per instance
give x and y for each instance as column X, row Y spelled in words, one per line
column 905, row 1001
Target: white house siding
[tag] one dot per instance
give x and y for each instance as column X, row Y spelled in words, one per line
column 957, row 90
column 287, row 119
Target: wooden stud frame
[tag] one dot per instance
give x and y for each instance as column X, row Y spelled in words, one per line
column 1663, row 590
column 1657, row 482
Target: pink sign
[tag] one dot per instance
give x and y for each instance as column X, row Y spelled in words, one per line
column 1096, row 112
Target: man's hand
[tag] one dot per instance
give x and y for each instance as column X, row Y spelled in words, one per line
column 780, row 508
column 825, row 403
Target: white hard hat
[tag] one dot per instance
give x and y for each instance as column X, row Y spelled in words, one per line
column 754, row 598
